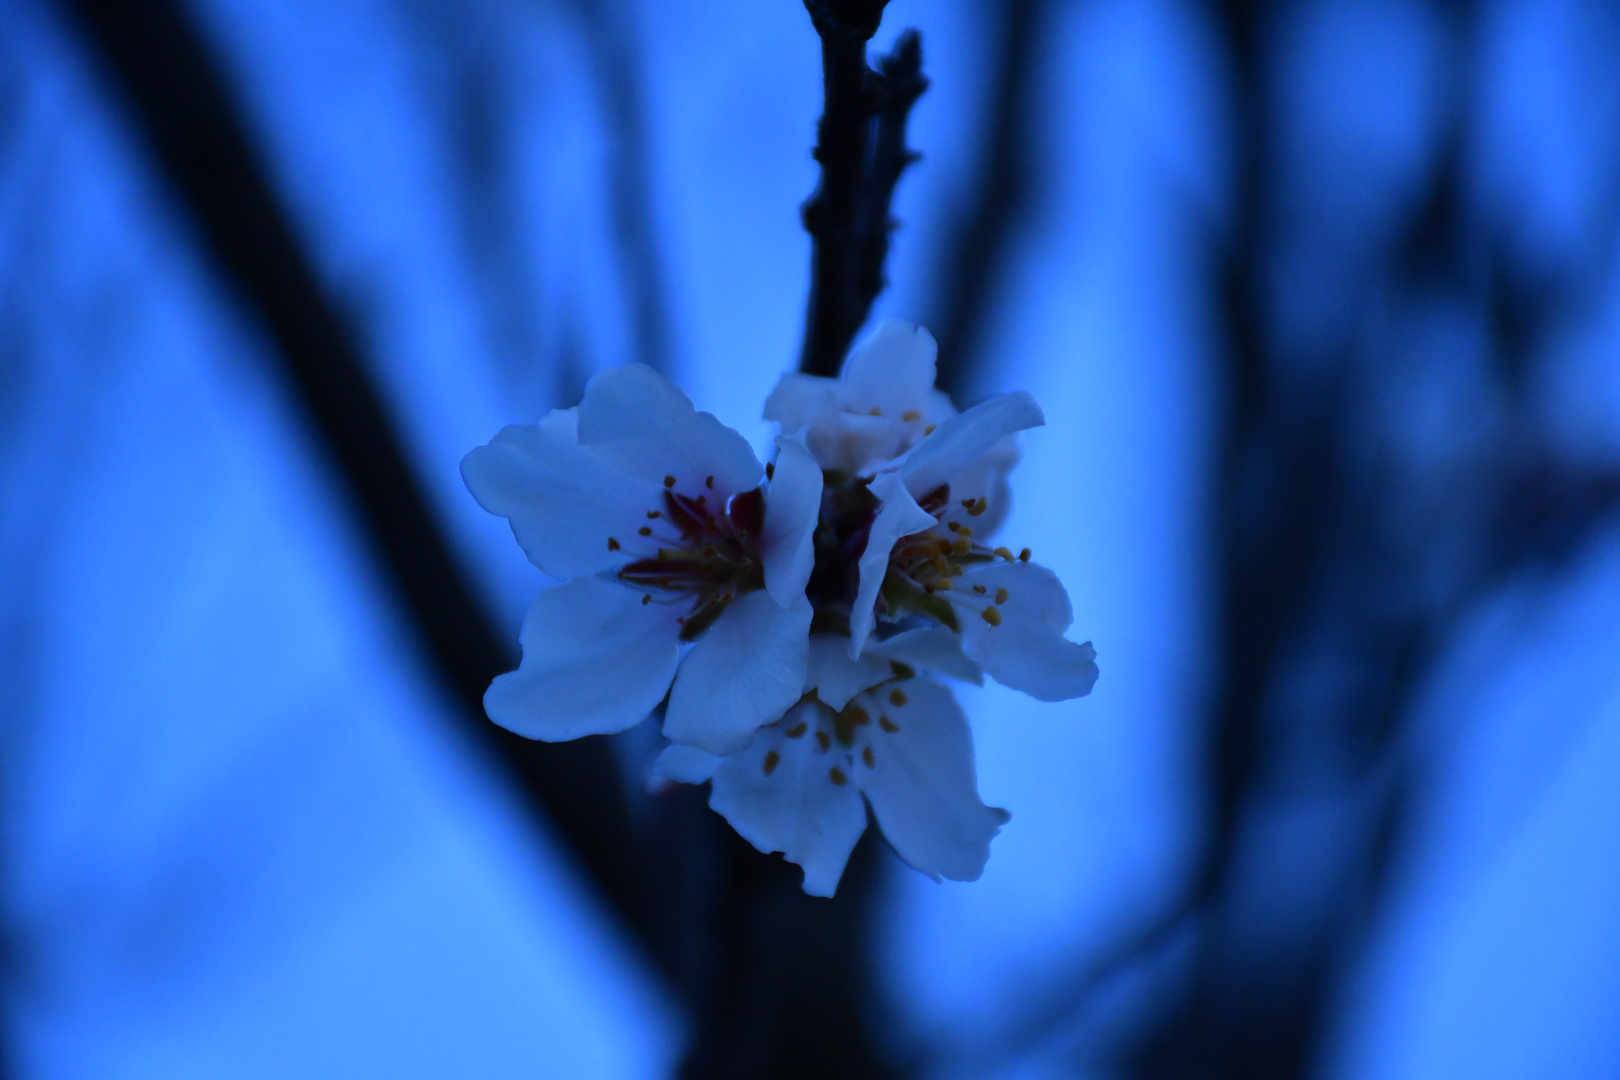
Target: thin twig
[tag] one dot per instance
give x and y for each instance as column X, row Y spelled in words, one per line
column 860, row 145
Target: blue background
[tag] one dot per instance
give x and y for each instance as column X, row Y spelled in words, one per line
column 238, row 836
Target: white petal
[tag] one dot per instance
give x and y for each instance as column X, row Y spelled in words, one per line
column 922, row 787
column 799, row 400
column 835, row 677
column 898, row 515
column 638, row 421
column 564, row 502
column 986, row 478
column 891, row 371
column 1028, row 651
column 791, row 512
column 686, row 764
column 932, row 648
column 796, row 808
column 853, row 443
column 595, row 660
column 962, row 440
column 745, row 671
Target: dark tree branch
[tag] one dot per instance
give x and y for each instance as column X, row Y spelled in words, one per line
column 860, row 145
column 791, row 996
column 184, row 109
column 788, row 991
column 980, row 240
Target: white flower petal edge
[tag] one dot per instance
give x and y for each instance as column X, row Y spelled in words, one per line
column 903, row 745
column 595, row 661
column 962, row 441
column 562, row 500
column 898, row 515
column 791, row 510
column 778, row 795
column 745, row 671
column 834, row 677
column 1026, row 649
column 883, row 403
column 639, row 422
column 892, row 371
column 922, row 786
column 685, row 764
column 933, row 649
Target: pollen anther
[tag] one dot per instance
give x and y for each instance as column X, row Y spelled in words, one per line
column 837, row 776
column 992, row 616
column 866, row 756
column 669, row 481
column 613, row 545
column 771, row 758
column 897, row 696
column 1001, row 596
column 910, row 415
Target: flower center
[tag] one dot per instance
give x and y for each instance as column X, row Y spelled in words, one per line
column 924, row 566
column 847, row 510
column 708, row 555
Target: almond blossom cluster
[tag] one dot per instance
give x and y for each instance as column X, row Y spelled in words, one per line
column 799, row 615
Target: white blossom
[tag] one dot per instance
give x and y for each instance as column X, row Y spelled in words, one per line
column 882, row 404
column 901, row 745
column 673, row 539
column 915, row 525
column 804, row 611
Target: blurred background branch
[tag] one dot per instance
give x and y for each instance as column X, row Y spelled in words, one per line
column 185, row 111
column 1373, row 305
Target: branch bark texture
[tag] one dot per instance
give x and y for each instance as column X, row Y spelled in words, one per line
column 860, row 145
